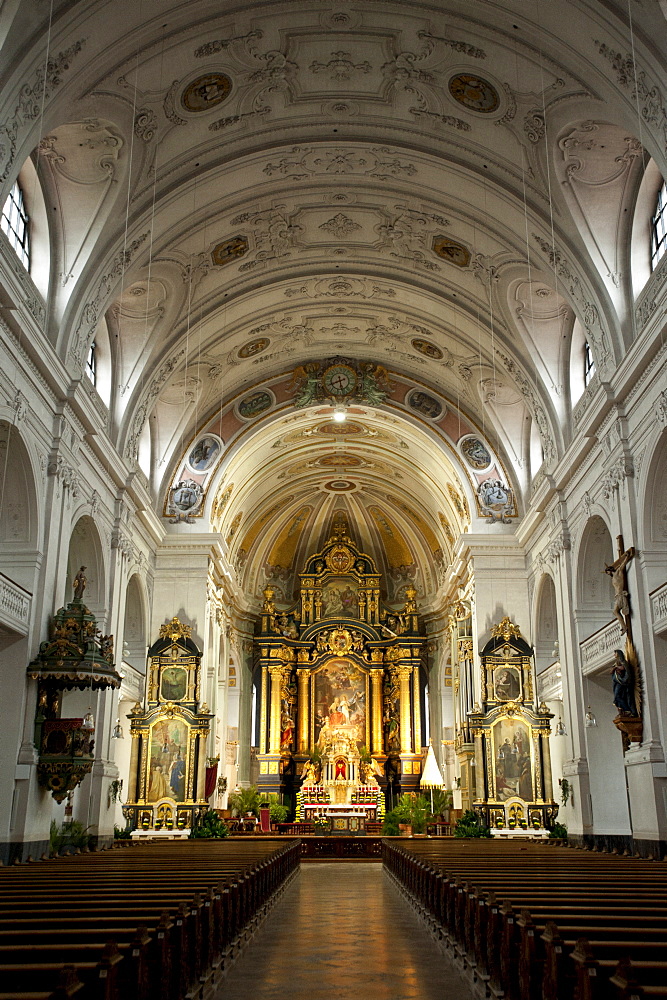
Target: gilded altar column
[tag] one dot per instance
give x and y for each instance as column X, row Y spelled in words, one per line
column 376, row 702
column 274, row 730
column 134, row 765
column 404, row 675
column 417, row 708
column 303, row 677
column 263, row 714
column 546, row 764
column 479, row 791
column 201, row 766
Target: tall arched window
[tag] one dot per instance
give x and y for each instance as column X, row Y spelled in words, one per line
column 659, row 227
column 14, row 223
column 589, row 363
column 91, row 363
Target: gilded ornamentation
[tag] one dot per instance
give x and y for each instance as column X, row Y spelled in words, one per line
column 340, row 559
column 340, row 379
column 175, row 629
column 506, row 629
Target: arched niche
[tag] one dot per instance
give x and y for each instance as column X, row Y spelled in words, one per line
column 595, row 595
column 19, row 521
column 134, row 626
column 85, row 549
column 653, row 530
column 546, row 624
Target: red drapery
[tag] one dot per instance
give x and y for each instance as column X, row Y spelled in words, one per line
column 211, row 775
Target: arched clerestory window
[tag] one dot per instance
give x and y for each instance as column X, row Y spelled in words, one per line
column 15, row 224
column 659, row 227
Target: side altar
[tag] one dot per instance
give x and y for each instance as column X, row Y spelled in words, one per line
column 511, row 762
column 168, row 758
column 341, row 690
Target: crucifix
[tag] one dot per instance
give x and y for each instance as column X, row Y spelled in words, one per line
column 619, row 580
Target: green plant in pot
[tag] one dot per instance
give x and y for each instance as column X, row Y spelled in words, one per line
column 442, row 802
column 245, row 800
column 470, row 826
column 209, row 827
column 277, row 810
column 412, row 810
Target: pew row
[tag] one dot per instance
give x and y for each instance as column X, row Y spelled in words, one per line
column 530, row 923
column 158, row 922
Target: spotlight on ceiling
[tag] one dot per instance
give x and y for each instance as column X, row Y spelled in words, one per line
column 339, row 413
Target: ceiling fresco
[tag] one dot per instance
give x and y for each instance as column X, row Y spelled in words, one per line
column 268, row 210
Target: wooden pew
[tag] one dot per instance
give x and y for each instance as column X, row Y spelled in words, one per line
column 468, row 889
column 168, row 934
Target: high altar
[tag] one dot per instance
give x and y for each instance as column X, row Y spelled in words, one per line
column 341, row 699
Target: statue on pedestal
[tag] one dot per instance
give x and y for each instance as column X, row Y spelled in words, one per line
column 79, row 584
column 623, row 681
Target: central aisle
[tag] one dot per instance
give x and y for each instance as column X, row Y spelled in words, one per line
column 343, row 931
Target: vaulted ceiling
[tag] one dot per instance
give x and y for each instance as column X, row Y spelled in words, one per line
column 233, row 191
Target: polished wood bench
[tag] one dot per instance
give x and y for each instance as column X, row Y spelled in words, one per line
column 524, row 919
column 162, row 916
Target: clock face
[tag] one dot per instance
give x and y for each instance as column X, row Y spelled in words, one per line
column 339, row 380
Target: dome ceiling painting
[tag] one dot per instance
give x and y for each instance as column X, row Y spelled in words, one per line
column 249, row 196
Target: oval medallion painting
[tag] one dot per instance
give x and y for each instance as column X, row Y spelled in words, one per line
column 425, row 404
column 474, row 93
column 254, row 404
column 475, row 452
column 205, row 453
column 206, row 92
column 253, row 347
column 428, row 349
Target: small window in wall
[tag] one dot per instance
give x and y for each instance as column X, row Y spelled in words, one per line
column 91, row 363
column 14, row 223
column 589, row 363
column 659, row 227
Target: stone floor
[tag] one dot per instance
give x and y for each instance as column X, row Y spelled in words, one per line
column 342, row 931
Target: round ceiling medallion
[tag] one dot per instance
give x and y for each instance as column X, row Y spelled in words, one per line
column 339, row 486
column 474, row 93
column 206, row 92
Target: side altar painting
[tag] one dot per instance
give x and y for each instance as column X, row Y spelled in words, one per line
column 341, row 690
column 168, row 762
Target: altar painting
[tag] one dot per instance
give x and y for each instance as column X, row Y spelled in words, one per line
column 507, row 683
column 173, row 683
column 339, row 598
column 168, row 760
column 340, row 701
column 511, row 757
